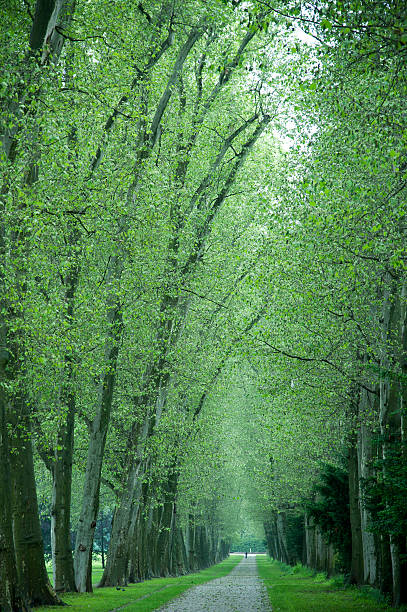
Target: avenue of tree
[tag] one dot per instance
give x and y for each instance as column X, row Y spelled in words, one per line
column 203, row 288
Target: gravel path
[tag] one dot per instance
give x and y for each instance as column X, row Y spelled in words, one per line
column 240, row 591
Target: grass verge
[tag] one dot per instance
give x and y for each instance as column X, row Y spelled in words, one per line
column 298, row 589
column 144, row 596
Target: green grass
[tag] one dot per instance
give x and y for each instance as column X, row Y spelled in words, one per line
column 145, row 596
column 298, row 589
column 97, row 571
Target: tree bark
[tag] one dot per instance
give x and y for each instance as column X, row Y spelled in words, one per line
column 116, row 570
column 63, row 569
column 11, row 593
column 357, row 570
column 27, row 533
column 84, row 540
column 97, row 441
column 365, row 456
column 64, row 578
column 390, row 396
column 26, row 526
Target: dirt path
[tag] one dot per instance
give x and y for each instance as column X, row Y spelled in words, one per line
column 240, row 591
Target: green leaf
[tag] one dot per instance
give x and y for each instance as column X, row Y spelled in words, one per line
column 326, row 24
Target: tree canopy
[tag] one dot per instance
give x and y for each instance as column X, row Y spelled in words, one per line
column 203, row 288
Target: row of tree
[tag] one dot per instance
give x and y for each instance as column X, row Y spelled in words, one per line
column 125, row 133
column 338, row 413
column 202, row 269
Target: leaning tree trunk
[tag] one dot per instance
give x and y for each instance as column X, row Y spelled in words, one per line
column 97, row 442
column 90, row 504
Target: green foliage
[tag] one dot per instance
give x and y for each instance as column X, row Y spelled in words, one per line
column 251, row 300
column 385, row 494
column 295, row 535
column 247, row 543
column 329, row 509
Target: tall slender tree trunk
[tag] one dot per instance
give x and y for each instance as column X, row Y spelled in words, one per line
column 63, row 569
column 357, row 570
column 369, row 540
column 97, row 441
column 390, row 419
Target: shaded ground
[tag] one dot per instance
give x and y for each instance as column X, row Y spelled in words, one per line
column 240, row 591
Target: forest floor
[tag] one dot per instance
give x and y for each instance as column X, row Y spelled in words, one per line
column 298, row 589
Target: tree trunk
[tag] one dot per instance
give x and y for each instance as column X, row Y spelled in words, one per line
column 27, row 533
column 390, row 401
column 357, row 570
column 180, row 553
column 26, row 525
column 166, row 529
column 97, row 441
column 369, row 541
column 310, row 542
column 143, row 539
column 63, row 570
column 64, row 578
column 90, row 504
column 11, row 594
column 187, row 543
column 282, row 537
column 384, row 566
column 116, row 570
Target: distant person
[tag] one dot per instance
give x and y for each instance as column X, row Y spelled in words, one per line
column 245, row 555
